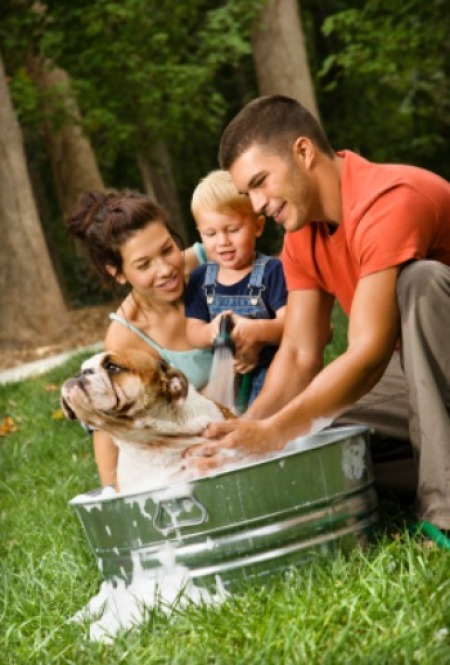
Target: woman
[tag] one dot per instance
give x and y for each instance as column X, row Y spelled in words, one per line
column 129, row 242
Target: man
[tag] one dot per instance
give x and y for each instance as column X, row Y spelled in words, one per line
column 376, row 237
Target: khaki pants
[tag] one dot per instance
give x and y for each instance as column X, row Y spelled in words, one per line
column 412, row 400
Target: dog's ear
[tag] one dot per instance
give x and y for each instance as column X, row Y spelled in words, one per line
column 177, row 384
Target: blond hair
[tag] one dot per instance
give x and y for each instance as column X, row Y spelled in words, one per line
column 217, row 193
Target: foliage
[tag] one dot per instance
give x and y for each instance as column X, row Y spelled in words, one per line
column 143, row 71
column 386, row 604
column 391, row 61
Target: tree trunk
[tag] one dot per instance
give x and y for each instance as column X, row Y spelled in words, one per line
column 32, row 309
column 279, row 54
column 73, row 161
column 157, row 177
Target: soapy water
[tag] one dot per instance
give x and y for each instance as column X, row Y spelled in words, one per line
column 120, row 606
column 220, row 386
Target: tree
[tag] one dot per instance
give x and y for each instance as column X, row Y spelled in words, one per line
column 31, row 304
column 158, row 179
column 279, row 54
column 73, row 161
column 385, row 80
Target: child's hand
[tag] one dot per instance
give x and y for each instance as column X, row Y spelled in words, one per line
column 214, row 326
column 245, row 364
column 244, row 336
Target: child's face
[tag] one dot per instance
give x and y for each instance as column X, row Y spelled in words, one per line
column 229, row 238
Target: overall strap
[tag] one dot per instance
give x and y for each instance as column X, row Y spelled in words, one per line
column 255, row 285
column 209, row 283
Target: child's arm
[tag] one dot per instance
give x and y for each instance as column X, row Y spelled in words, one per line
column 251, row 335
column 201, row 334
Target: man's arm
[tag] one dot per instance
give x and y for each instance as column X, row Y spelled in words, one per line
column 373, row 331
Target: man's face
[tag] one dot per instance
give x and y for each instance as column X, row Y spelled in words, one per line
column 278, row 187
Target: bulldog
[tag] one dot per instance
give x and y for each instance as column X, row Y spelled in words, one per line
column 149, row 408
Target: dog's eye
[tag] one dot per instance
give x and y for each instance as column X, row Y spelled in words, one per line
column 113, row 368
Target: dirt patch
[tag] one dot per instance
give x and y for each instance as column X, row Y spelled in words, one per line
column 88, row 326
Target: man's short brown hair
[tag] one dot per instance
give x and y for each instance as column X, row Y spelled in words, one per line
column 274, row 121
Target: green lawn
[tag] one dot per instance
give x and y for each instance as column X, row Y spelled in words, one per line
column 387, row 604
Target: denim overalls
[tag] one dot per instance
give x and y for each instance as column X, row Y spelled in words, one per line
column 252, row 306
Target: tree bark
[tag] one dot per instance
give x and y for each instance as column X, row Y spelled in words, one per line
column 74, row 165
column 32, row 309
column 279, row 54
column 157, row 177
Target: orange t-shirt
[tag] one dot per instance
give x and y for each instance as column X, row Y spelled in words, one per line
column 391, row 214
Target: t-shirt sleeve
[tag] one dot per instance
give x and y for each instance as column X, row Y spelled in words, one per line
column 298, row 261
column 195, row 306
column 398, row 227
column 274, row 281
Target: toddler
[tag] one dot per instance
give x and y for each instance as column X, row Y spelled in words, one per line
column 236, row 280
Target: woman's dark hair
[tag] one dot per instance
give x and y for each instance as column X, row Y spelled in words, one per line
column 103, row 222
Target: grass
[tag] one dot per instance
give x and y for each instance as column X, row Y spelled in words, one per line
column 389, row 603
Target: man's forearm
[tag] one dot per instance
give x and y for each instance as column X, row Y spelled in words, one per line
column 284, row 381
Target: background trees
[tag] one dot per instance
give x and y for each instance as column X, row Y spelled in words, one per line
column 26, row 274
column 140, row 90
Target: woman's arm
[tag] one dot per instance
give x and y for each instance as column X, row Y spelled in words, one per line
column 193, row 257
column 201, row 334
column 106, row 456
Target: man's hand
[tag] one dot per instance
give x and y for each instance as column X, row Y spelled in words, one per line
column 233, row 440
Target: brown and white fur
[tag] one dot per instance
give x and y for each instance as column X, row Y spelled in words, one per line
column 149, row 408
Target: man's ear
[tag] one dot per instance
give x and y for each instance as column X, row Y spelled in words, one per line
column 120, row 279
column 304, row 151
column 260, row 222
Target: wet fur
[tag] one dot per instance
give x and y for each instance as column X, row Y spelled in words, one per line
column 149, row 408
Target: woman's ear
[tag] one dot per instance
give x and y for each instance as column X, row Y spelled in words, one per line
column 120, row 279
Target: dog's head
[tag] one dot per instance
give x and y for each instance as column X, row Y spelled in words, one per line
column 113, row 389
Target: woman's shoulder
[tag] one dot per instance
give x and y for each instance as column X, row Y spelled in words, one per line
column 118, row 337
column 120, row 334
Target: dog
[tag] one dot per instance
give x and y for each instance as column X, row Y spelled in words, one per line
column 149, row 408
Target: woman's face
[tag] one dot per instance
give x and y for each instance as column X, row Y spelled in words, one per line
column 152, row 263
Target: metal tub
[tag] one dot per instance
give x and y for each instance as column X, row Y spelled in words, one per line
column 314, row 498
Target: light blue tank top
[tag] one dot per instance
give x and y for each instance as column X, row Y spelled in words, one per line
column 195, row 363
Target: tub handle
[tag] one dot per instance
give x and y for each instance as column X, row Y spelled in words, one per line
column 173, row 514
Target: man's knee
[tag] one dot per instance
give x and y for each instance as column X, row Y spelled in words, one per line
column 429, row 279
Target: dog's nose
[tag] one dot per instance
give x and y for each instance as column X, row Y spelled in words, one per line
column 83, row 374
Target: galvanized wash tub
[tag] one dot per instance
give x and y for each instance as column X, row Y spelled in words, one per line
column 315, row 498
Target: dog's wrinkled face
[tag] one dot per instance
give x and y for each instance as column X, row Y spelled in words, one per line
column 116, row 387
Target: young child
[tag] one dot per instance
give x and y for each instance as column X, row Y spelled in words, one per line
column 236, row 280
